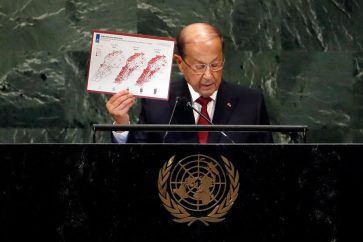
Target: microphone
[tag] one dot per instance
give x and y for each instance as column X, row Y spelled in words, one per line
column 206, row 118
column 171, row 117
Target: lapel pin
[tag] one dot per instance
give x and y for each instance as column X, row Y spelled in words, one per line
column 229, row 104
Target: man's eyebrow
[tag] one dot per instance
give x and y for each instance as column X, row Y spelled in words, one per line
column 213, row 61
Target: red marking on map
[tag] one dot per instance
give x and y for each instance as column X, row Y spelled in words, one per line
column 153, row 66
column 112, row 60
column 133, row 63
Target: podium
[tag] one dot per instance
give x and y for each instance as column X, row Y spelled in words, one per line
column 134, row 192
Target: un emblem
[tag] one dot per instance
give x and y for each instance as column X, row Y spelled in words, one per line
column 198, row 188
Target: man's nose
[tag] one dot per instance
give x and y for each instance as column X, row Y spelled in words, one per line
column 208, row 72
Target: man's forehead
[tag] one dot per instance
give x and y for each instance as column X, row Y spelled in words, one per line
column 199, row 38
column 199, row 33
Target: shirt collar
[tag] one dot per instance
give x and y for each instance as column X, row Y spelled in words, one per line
column 196, row 95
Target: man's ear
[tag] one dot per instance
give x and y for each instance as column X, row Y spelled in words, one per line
column 178, row 60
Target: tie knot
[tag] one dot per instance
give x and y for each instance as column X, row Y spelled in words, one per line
column 203, row 101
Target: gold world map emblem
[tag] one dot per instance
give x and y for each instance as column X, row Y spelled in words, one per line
column 198, row 188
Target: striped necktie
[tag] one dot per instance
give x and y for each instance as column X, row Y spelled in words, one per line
column 203, row 135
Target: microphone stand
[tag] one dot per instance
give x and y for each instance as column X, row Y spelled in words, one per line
column 171, row 117
column 209, row 121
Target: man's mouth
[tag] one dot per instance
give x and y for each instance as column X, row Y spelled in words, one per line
column 207, row 84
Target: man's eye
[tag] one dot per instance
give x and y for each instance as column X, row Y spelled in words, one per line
column 215, row 65
column 199, row 67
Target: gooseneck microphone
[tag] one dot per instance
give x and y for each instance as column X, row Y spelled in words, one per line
column 171, row 117
column 208, row 120
column 188, row 104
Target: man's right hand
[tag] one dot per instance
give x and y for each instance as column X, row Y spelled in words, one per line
column 118, row 106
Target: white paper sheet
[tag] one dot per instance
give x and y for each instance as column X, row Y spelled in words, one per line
column 142, row 64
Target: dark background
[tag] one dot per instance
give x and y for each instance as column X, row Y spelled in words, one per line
column 305, row 55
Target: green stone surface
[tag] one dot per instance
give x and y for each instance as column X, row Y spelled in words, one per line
column 305, row 55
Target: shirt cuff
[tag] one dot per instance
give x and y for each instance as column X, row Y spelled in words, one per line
column 120, row 137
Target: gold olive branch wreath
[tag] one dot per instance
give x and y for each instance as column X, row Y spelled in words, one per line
column 181, row 215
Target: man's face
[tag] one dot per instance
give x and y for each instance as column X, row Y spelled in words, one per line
column 207, row 52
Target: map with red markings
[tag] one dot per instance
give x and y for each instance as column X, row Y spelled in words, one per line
column 142, row 64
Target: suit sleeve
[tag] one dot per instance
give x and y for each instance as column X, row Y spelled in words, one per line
column 138, row 136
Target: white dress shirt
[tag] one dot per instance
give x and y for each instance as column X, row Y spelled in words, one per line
column 210, row 107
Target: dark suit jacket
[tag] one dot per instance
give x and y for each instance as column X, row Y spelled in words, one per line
column 234, row 105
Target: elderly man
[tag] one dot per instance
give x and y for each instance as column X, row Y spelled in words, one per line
column 201, row 60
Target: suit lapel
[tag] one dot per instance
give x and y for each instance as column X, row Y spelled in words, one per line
column 183, row 114
column 223, row 110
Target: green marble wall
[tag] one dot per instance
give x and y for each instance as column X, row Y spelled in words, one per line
column 306, row 56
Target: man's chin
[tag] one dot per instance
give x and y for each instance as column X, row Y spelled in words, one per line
column 206, row 93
